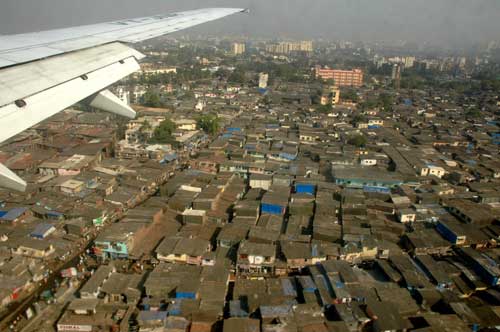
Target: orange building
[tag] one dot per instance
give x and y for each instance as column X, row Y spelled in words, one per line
column 341, row 77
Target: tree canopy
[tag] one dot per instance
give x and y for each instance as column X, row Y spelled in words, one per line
column 349, row 95
column 163, row 133
column 358, row 118
column 324, row 108
column 209, row 123
column 358, row 140
column 385, row 101
column 237, row 76
column 151, row 99
column 473, row 113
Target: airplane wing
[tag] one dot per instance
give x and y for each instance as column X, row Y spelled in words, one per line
column 43, row 73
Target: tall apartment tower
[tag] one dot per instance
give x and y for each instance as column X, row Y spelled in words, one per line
column 396, row 75
column 238, row 48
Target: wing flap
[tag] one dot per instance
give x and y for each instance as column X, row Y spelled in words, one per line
column 107, row 101
column 38, row 107
column 10, row 180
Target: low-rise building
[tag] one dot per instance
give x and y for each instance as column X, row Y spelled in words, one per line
column 256, row 259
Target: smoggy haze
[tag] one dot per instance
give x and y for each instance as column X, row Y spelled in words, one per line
column 452, row 22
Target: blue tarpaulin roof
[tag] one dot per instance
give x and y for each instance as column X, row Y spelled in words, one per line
column 14, row 213
column 305, row 188
column 41, row 229
column 174, row 309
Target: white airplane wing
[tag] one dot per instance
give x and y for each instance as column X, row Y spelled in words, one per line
column 43, row 73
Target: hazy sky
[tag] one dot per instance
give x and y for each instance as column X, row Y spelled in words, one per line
column 450, row 21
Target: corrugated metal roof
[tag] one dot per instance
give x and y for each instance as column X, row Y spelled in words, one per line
column 14, row 213
column 41, row 230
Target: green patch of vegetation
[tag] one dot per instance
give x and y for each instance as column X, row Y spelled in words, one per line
column 349, row 95
column 163, row 134
column 209, row 123
column 358, row 141
column 151, row 99
column 324, row 108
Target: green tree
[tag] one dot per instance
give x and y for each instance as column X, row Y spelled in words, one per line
column 490, row 85
column 358, row 140
column 349, row 95
column 163, row 133
column 385, row 100
column 368, row 104
column 473, row 113
column 209, row 123
column 358, row 118
column 151, row 99
column 145, row 126
column 324, row 108
column 237, row 76
column 222, row 73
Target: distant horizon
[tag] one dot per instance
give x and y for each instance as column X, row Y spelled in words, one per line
column 447, row 23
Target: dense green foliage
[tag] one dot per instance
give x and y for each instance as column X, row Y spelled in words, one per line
column 358, row 140
column 209, row 123
column 324, row 108
column 349, row 95
column 163, row 133
column 358, row 118
column 385, row 101
column 151, row 99
column 473, row 113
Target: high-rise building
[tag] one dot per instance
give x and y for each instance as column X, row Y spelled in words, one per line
column 396, row 75
column 306, row 46
column 289, row 47
column 263, row 79
column 341, row 78
column 238, row 48
column 409, row 61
